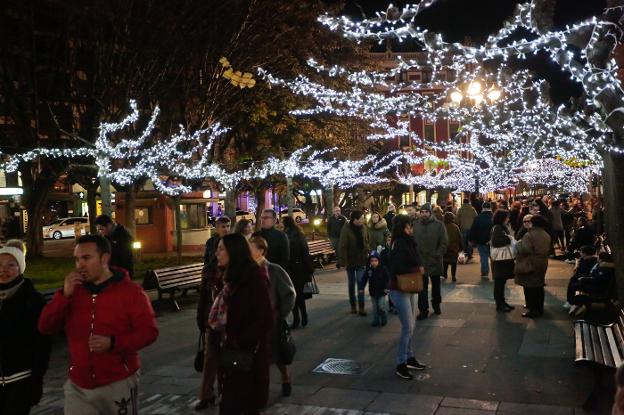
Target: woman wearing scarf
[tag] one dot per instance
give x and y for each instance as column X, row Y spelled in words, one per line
column 241, row 319
column 353, row 255
column 24, row 352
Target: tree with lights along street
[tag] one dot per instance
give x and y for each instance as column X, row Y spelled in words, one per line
column 591, row 129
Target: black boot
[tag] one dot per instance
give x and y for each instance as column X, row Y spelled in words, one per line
column 361, row 310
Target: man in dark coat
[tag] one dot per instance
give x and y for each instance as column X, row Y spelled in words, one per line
column 480, row 236
column 389, row 216
column 222, row 227
column 334, row 226
column 120, row 240
column 279, row 247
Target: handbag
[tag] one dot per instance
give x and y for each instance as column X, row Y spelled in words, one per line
column 198, row 363
column 311, row 288
column 411, row 282
column 503, row 253
column 286, row 346
column 236, row 359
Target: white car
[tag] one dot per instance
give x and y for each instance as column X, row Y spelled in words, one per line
column 65, row 227
column 243, row 214
column 298, row 214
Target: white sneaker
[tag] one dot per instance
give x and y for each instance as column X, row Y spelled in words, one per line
column 570, row 261
column 573, row 310
column 567, row 305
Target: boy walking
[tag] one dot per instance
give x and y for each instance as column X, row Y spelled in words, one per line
column 377, row 276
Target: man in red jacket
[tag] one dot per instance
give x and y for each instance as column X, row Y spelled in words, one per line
column 107, row 319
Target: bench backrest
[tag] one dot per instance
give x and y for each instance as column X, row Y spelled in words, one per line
column 173, row 276
column 319, row 244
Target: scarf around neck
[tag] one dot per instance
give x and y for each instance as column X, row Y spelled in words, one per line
column 9, row 289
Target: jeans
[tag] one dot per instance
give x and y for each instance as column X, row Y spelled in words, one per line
column 484, row 258
column 379, row 311
column 423, row 296
column 355, row 275
column 404, row 304
column 467, row 246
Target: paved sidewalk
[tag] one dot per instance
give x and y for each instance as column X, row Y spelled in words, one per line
column 479, row 361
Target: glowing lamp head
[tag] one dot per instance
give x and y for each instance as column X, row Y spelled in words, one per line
column 456, row 97
column 474, row 88
column 317, row 222
column 136, row 245
column 494, row 94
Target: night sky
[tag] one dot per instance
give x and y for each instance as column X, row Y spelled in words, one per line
column 456, row 19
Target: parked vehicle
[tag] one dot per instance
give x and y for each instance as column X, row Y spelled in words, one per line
column 66, row 227
column 298, row 214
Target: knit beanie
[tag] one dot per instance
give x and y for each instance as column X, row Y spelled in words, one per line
column 426, row 207
column 17, row 254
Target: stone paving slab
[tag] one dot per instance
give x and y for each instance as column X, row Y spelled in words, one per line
column 533, row 409
column 470, row 404
column 397, row 403
column 289, row 409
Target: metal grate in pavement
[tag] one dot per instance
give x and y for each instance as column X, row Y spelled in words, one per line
column 338, row 367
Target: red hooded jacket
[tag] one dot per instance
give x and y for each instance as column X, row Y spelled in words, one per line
column 118, row 308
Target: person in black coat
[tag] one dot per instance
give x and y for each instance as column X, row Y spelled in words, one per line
column 583, row 235
column 279, row 250
column 300, row 269
column 582, row 270
column 24, row 352
column 120, row 240
column 377, row 277
column 480, row 236
column 502, row 269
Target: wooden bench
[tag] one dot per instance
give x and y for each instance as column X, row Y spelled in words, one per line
column 173, row 280
column 602, row 348
column 321, row 251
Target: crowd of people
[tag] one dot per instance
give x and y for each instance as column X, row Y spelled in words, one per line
column 252, row 281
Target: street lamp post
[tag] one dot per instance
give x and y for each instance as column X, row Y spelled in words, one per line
column 474, row 94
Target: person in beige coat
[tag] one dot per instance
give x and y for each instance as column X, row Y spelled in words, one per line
column 531, row 265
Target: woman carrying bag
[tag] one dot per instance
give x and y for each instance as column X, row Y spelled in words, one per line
column 502, row 257
column 404, row 260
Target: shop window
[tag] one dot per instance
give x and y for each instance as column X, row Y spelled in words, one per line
column 143, row 216
column 193, row 216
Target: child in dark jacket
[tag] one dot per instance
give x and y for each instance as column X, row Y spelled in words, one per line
column 376, row 275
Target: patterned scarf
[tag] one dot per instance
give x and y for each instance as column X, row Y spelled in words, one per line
column 217, row 318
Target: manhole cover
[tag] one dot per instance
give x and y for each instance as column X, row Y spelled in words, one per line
column 338, row 367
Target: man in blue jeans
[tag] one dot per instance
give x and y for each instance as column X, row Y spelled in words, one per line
column 480, row 236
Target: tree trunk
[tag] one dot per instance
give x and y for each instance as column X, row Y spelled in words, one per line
column 105, row 194
column 35, row 197
column 259, row 193
column 92, row 206
column 614, row 210
column 329, row 201
column 178, row 226
column 289, row 196
column 230, row 204
column 129, row 208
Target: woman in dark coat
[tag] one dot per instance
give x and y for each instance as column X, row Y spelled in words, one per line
column 531, row 265
column 300, row 268
column 24, row 352
column 404, row 259
column 241, row 320
column 502, row 269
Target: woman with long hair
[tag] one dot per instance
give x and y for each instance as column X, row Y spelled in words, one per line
column 404, row 259
column 377, row 229
column 300, row 268
column 241, row 319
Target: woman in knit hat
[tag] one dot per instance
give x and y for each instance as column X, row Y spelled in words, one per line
column 24, row 352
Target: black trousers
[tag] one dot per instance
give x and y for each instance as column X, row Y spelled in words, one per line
column 300, row 306
column 16, row 398
column 534, row 298
column 423, row 296
column 453, row 269
column 499, row 291
column 560, row 238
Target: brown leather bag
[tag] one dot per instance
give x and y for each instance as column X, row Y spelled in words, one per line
column 411, row 282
